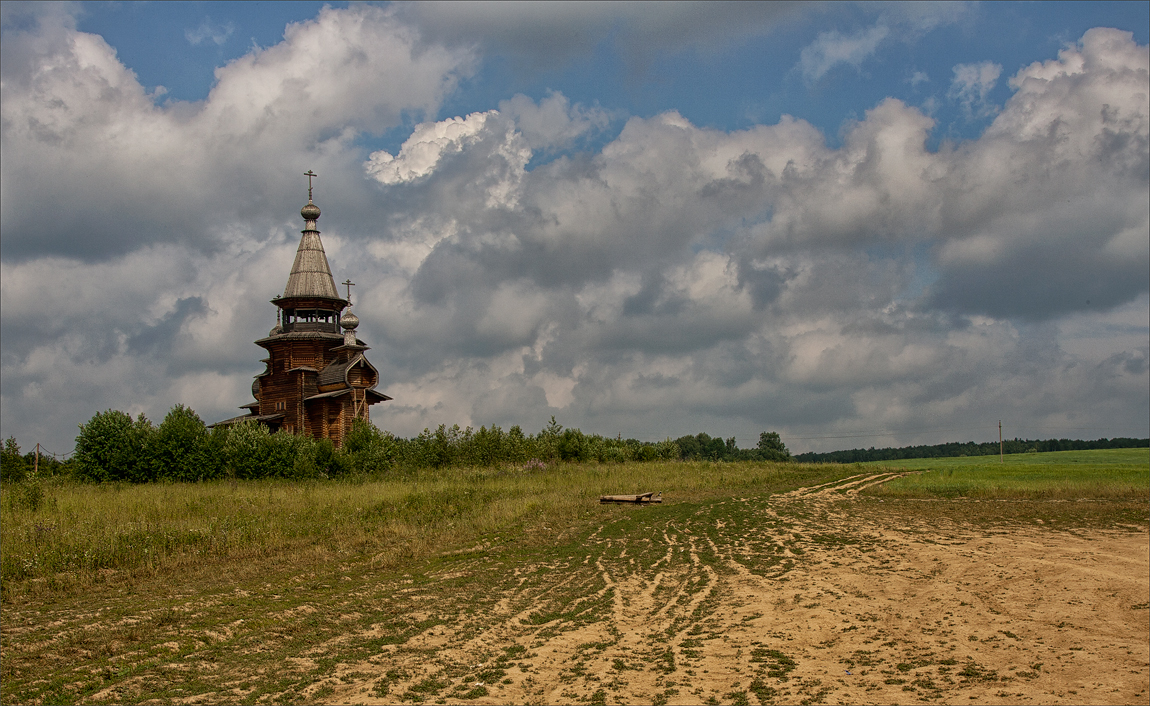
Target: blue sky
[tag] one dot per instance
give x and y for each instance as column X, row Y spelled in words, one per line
column 722, row 84
column 896, row 223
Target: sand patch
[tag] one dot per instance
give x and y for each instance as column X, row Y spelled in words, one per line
column 888, row 610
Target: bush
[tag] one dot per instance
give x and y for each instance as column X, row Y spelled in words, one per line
column 13, row 468
column 367, row 450
column 613, row 454
column 667, row 450
column 28, row 495
column 112, row 447
column 318, row 458
column 702, row 448
column 181, row 448
column 251, row 451
column 572, row 445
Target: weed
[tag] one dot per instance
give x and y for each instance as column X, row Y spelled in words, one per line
column 25, row 496
column 778, row 665
column 974, row 672
column 664, row 661
column 321, row 693
column 428, row 687
column 765, row 694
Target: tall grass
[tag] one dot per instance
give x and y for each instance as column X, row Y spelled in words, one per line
column 75, row 532
column 60, row 532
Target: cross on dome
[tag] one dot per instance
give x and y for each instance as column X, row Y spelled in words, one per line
column 309, row 174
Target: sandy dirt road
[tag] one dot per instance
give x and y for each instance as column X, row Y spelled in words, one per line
column 816, row 596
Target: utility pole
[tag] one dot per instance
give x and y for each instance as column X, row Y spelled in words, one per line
column 36, row 463
column 1000, row 460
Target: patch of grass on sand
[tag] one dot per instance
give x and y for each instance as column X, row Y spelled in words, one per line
column 1110, row 474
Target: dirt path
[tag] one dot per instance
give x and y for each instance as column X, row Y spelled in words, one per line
column 793, row 599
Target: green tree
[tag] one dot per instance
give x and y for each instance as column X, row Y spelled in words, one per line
column 247, row 451
column 113, row 447
column 547, row 441
column 517, row 445
column 667, row 450
column 772, row 448
column 572, row 445
column 13, row 467
column 702, row 447
column 368, row 450
column 180, row 448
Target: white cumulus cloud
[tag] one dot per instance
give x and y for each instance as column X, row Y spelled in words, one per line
column 209, row 31
column 972, row 85
column 833, row 48
column 676, row 279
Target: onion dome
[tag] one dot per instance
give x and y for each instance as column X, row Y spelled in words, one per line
column 310, row 212
column 276, row 330
column 349, row 321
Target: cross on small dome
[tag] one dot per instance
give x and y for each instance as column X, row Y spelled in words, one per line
column 310, row 212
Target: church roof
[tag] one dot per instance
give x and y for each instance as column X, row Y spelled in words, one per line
column 336, row 373
column 248, row 417
column 375, row 395
column 300, row 336
column 310, row 275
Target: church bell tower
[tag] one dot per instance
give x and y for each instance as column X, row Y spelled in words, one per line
column 317, row 379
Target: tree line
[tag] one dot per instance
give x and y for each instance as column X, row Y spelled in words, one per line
column 969, row 448
column 114, row 447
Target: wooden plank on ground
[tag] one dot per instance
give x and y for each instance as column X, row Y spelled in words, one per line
column 640, row 499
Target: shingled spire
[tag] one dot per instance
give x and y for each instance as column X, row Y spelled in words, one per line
column 310, row 274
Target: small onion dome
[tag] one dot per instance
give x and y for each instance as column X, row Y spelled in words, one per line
column 276, row 330
column 310, row 212
column 349, row 321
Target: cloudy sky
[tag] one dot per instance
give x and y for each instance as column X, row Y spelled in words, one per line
column 854, row 224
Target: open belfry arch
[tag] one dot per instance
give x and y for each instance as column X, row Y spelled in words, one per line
column 317, row 379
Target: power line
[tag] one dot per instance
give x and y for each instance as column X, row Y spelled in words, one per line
column 44, row 450
column 867, row 435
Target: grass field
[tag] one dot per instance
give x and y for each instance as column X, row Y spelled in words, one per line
column 1114, row 474
column 69, row 533
column 752, row 583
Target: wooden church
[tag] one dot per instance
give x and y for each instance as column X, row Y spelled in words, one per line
column 317, row 379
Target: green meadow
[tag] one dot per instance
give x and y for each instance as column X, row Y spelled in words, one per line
column 59, row 533
column 1108, row 474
